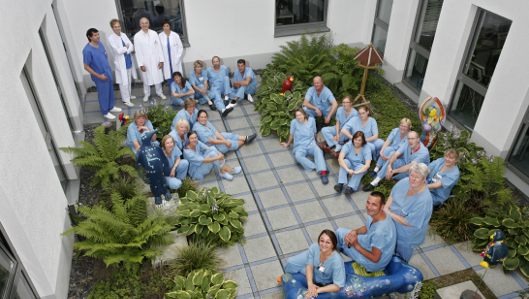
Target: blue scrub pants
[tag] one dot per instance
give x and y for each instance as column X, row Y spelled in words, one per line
column 311, row 150
column 200, row 97
column 297, row 264
column 324, row 111
column 241, row 91
column 329, row 133
column 218, row 92
column 388, row 152
column 397, row 164
column 352, row 253
column 437, row 200
column 179, row 101
column 375, row 147
column 355, row 179
column 180, row 172
column 231, row 137
column 105, row 95
column 206, row 167
column 404, row 250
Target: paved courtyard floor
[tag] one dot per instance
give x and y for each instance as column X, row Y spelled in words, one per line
column 288, row 208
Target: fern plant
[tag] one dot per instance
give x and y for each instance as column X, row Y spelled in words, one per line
column 104, row 155
column 161, row 118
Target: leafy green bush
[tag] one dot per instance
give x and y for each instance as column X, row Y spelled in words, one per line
column 203, row 284
column 212, row 216
column 161, row 119
column 104, row 155
column 122, row 284
column 453, row 220
column 427, row 290
column 125, row 187
column 187, row 184
column 196, row 255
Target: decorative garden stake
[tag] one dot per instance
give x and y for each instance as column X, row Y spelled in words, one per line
column 368, row 58
column 433, row 117
column 123, row 118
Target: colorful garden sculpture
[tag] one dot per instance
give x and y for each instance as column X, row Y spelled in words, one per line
column 496, row 251
column 287, row 85
column 123, row 118
column 400, row 277
column 433, row 118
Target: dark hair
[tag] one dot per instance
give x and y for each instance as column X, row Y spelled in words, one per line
column 379, row 195
column 361, row 135
column 200, row 112
column 191, row 133
column 166, row 21
column 90, row 32
column 183, row 81
column 331, row 235
column 160, row 10
column 241, row 61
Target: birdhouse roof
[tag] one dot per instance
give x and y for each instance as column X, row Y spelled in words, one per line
column 369, row 55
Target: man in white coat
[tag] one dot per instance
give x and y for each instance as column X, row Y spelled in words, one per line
column 150, row 59
column 124, row 65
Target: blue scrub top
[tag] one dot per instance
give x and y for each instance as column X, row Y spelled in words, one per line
column 195, row 159
column 176, row 87
column 334, row 267
column 200, row 80
column 175, row 154
column 340, row 116
column 448, row 178
column 355, row 124
column 420, row 156
column 360, row 159
column 97, row 60
column 382, row 235
column 178, row 141
column 394, row 137
column 205, row 133
column 134, row 135
column 183, row 114
column 303, row 134
column 416, row 210
column 248, row 72
column 216, row 80
column 322, row 101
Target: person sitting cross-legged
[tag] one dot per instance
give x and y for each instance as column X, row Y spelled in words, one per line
column 333, row 135
column 443, row 176
column 354, row 160
column 243, row 84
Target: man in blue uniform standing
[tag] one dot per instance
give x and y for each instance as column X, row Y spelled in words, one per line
column 319, row 101
column 243, row 84
column 96, row 63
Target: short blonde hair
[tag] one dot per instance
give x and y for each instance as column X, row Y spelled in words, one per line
column 419, row 168
column 140, row 113
column 114, row 21
column 188, row 102
column 453, row 153
column 198, row 63
column 182, row 121
column 406, row 121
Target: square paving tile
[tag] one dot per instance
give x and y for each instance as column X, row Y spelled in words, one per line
column 498, row 282
column 338, row 205
column 299, row 192
column 253, row 225
column 360, row 199
column 264, row 180
column 444, row 260
column 282, row 159
column 210, row 176
column 255, row 119
column 259, row 249
column 324, row 190
column 290, row 174
column 237, row 111
column 265, row 275
column 272, row 198
column 281, row 218
column 256, row 164
column 315, row 230
column 274, row 295
column 250, row 109
column 418, row 262
column 249, row 203
column 310, row 211
column 292, row 241
column 250, row 149
column 432, row 238
column 230, row 255
column 333, row 165
column 241, row 278
column 349, row 222
column 312, row 174
column 473, row 258
column 272, row 144
column 238, row 123
column 236, row 186
column 209, row 185
column 213, row 115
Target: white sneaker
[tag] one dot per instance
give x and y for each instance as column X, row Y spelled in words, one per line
column 128, row 104
column 146, row 99
column 231, row 105
column 226, row 98
column 250, row 99
column 115, row 109
column 109, row 116
column 162, row 96
column 132, row 97
column 338, row 148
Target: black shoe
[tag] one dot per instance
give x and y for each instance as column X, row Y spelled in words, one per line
column 212, row 106
column 250, row 138
column 319, row 126
column 226, row 112
column 324, row 179
column 368, row 187
column 372, row 174
column 338, row 188
column 226, row 103
column 349, row 190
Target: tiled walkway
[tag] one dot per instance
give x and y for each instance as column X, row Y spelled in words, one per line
column 288, row 208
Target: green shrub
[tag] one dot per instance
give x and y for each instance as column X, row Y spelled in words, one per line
column 104, row 155
column 428, row 290
column 203, row 284
column 452, row 220
column 122, row 284
column 211, row 215
column 196, row 255
column 161, row 118
column 125, row 187
column 187, row 184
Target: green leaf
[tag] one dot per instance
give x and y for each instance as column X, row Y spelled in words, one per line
column 233, row 215
column 178, row 295
column 189, row 285
column 491, row 221
column 214, row 227
column 195, row 213
column 482, row 233
column 515, row 213
column 197, row 279
column 180, row 281
column 205, row 208
column 217, row 278
column 521, row 239
column 183, row 229
column 511, row 253
column 230, row 284
column 192, row 195
column 225, row 234
column 524, row 266
column 523, row 250
column 265, row 131
column 267, row 119
column 511, row 264
column 509, row 223
column 213, row 290
column 236, row 223
column 204, row 220
column 219, row 217
column 477, row 221
column 223, row 294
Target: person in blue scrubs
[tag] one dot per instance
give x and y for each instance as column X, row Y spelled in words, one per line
column 179, row 166
column 322, row 264
column 369, row 126
column 333, row 135
column 354, row 160
column 396, row 138
column 179, row 133
column 141, row 123
column 219, row 79
column 373, row 245
column 398, row 166
column 243, row 84
column 224, row 141
column 199, row 80
column 303, row 133
column 201, row 159
column 95, row 61
column 189, row 113
column 319, row 101
column 410, row 206
column 443, row 176
column 180, row 90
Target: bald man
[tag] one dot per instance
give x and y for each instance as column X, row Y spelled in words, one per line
column 319, row 101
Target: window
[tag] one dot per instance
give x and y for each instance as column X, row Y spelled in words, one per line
column 519, row 157
column 381, row 24
column 156, row 11
column 297, row 16
column 490, row 33
column 421, row 43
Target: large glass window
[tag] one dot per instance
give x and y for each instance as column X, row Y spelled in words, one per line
column 381, row 24
column 490, row 33
column 519, row 157
column 297, row 16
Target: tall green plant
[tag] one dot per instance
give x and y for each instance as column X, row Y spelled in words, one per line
column 161, row 118
column 196, row 255
column 203, row 284
column 104, row 155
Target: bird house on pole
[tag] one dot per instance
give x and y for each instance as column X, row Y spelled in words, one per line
column 368, row 58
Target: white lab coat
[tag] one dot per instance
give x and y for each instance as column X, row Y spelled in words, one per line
column 176, row 52
column 118, row 51
column 149, row 53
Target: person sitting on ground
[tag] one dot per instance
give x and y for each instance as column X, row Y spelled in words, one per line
column 322, row 264
column 354, row 160
column 333, row 135
column 141, row 123
column 372, row 246
column 410, row 206
column 443, row 176
column 201, row 159
column 179, row 133
column 243, row 84
column 303, row 133
column 199, row 80
column 219, row 79
column 224, row 141
column 396, row 138
column 319, row 101
column 400, row 162
column 178, row 166
column 181, row 90
column 369, row 126
column 189, row 113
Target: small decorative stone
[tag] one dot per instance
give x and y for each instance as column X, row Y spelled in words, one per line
column 468, row 294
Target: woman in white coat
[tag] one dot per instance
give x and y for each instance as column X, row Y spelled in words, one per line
column 124, row 65
column 150, row 59
column 172, row 51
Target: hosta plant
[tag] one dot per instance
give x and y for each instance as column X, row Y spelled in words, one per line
column 203, row 284
column 161, row 118
column 212, row 216
column 514, row 223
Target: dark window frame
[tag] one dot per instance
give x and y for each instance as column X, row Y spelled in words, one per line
column 298, row 29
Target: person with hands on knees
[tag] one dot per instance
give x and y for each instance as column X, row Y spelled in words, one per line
column 199, row 80
column 443, row 176
column 366, row 124
column 303, row 134
column 319, row 101
column 410, row 206
column 322, row 264
column 333, row 135
column 140, row 124
column 243, row 84
column 181, row 90
column 178, row 166
column 354, row 160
